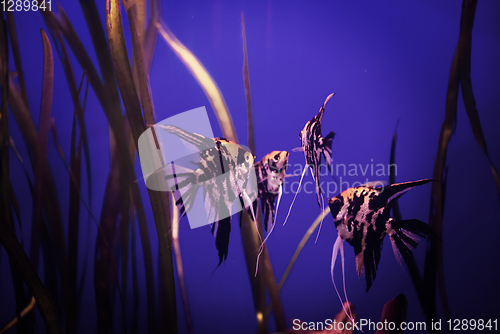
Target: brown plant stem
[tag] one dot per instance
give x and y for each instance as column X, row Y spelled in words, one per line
column 159, row 200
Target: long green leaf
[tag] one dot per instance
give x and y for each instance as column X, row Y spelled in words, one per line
column 178, row 261
column 50, row 201
column 204, row 80
column 133, row 260
column 411, row 263
column 301, row 245
column 23, row 313
column 465, row 44
column 434, row 256
column 394, row 312
column 159, row 200
column 151, row 34
column 7, row 195
column 146, row 252
column 17, row 55
column 265, row 262
column 251, row 243
column 248, row 93
column 41, row 149
column 37, row 289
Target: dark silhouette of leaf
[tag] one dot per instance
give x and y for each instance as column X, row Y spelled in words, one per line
column 43, row 300
column 394, row 312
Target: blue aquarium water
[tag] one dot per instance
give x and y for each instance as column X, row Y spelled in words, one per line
column 388, row 63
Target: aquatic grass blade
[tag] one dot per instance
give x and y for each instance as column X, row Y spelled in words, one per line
column 7, row 196
column 123, row 71
column 20, row 159
column 248, row 93
column 106, row 93
column 178, row 260
column 99, row 42
column 41, row 149
column 146, row 251
column 151, row 33
column 465, row 44
column 17, row 56
column 159, row 200
column 43, row 300
column 392, row 174
column 142, row 76
column 266, row 266
column 250, row 236
column 124, row 246
column 459, row 73
column 22, row 314
column 133, row 261
column 301, row 245
column 52, row 211
column 394, row 312
column 73, row 219
column 105, row 268
column 251, row 240
column 204, row 79
column 410, row 262
column 12, row 198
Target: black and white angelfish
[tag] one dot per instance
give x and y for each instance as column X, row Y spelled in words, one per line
column 270, row 172
column 362, row 218
column 223, row 171
column 314, row 146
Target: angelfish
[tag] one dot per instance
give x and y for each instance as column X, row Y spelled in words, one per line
column 270, row 172
column 314, row 146
column 223, row 171
column 362, row 218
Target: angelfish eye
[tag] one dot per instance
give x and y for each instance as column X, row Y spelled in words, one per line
column 247, row 157
column 276, row 157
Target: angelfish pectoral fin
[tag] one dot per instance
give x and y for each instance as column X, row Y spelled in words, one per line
column 327, row 150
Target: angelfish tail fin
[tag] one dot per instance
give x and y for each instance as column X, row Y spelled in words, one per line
column 327, row 150
column 404, row 237
column 221, row 231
